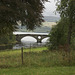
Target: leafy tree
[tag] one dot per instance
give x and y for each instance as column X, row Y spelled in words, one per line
column 66, row 8
column 7, row 39
column 58, row 34
column 29, row 12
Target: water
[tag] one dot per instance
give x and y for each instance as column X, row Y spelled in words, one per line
column 29, row 41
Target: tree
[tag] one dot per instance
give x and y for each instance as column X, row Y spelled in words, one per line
column 66, row 8
column 7, row 39
column 58, row 34
column 29, row 12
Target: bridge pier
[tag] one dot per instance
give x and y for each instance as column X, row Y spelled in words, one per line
column 18, row 39
column 39, row 41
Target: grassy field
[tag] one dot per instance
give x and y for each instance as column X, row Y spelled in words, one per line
column 38, row 71
column 13, row 57
column 37, row 61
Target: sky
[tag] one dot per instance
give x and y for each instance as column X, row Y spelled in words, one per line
column 50, row 8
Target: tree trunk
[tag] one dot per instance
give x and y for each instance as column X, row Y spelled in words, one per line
column 70, row 28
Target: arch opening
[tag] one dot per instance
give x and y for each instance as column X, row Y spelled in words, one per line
column 39, row 37
column 28, row 39
column 45, row 40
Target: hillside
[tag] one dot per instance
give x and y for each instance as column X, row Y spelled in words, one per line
column 51, row 18
column 46, row 26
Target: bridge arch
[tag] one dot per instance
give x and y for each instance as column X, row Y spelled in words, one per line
column 39, row 37
column 45, row 39
column 28, row 39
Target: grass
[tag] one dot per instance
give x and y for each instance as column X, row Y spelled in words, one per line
column 37, row 61
column 38, row 71
column 6, row 53
column 8, row 56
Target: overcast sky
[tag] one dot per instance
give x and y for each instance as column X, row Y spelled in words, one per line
column 50, row 8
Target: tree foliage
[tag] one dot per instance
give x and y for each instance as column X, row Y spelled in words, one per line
column 66, row 8
column 29, row 12
column 7, row 39
column 58, row 34
column 64, row 32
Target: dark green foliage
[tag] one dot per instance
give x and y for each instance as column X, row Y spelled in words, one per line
column 7, row 39
column 59, row 34
column 73, row 40
column 66, row 8
column 29, row 12
column 64, row 32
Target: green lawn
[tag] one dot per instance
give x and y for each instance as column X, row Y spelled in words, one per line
column 38, row 71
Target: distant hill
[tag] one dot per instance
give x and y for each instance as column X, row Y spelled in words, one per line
column 46, row 27
column 51, row 18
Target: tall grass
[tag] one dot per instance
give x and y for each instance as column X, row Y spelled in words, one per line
column 40, row 57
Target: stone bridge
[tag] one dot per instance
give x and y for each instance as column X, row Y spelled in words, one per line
column 38, row 36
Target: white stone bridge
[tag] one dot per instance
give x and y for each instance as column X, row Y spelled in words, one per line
column 38, row 36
